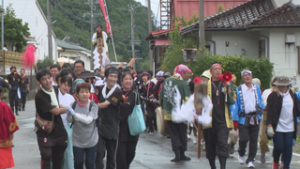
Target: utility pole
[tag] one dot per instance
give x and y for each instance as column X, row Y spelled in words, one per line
column 201, row 28
column 2, row 26
column 132, row 34
column 49, row 18
column 92, row 31
column 150, row 30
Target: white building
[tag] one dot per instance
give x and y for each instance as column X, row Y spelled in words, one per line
column 68, row 50
column 257, row 28
column 30, row 12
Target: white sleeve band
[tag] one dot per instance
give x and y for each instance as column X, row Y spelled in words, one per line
column 84, row 119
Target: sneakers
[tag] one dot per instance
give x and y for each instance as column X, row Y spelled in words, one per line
column 241, row 159
column 250, row 164
column 202, row 142
column 195, row 140
column 263, row 158
column 150, row 133
column 188, row 137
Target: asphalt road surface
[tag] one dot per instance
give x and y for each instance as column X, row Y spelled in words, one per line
column 153, row 151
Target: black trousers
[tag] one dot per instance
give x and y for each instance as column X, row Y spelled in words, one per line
column 151, row 120
column 23, row 98
column 13, row 99
column 125, row 154
column 216, row 141
column 248, row 133
column 52, row 150
column 178, row 133
column 108, row 145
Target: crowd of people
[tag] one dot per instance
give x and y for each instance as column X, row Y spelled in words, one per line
column 82, row 116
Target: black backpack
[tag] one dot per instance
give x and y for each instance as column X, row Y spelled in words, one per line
column 74, row 105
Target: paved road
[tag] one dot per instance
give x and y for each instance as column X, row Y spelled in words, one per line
column 153, row 151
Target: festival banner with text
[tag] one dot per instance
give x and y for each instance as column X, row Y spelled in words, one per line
column 102, row 6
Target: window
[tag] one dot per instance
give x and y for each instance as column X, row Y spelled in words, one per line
column 262, row 48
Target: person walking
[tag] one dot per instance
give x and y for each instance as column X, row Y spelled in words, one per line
column 8, row 126
column 24, row 88
column 13, row 80
column 52, row 138
column 147, row 92
column 283, row 108
column 263, row 138
column 222, row 95
column 247, row 117
column 66, row 99
column 178, row 131
column 109, row 97
column 83, row 115
column 126, row 143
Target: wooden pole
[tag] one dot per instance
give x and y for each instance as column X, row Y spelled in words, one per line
column 199, row 140
column 201, row 28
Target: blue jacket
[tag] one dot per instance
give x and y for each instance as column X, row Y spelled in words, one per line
column 236, row 108
column 298, row 96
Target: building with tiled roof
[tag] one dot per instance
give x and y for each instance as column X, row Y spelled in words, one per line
column 258, row 28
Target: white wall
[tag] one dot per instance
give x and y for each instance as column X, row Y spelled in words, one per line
column 284, row 56
column 238, row 40
column 279, row 3
column 29, row 12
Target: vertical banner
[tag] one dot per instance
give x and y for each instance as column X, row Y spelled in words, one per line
column 102, row 6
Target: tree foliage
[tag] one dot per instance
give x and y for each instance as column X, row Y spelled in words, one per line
column 14, row 30
column 261, row 68
column 42, row 64
column 70, row 22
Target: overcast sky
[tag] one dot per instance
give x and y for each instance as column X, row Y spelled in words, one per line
column 154, row 6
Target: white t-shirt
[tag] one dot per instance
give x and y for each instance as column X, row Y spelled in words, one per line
column 249, row 99
column 265, row 95
column 286, row 119
column 65, row 100
column 53, row 83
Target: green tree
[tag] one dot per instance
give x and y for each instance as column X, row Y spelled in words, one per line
column 41, row 64
column 71, row 22
column 14, row 30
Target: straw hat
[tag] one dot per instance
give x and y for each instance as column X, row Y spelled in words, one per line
column 207, row 74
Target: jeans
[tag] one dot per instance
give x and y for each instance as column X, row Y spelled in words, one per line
column 283, row 144
column 89, row 154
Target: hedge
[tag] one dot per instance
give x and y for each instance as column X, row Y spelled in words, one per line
column 261, row 68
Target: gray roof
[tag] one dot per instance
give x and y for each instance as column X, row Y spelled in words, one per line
column 67, row 45
column 238, row 17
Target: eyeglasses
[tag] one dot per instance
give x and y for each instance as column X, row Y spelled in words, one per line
column 247, row 75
